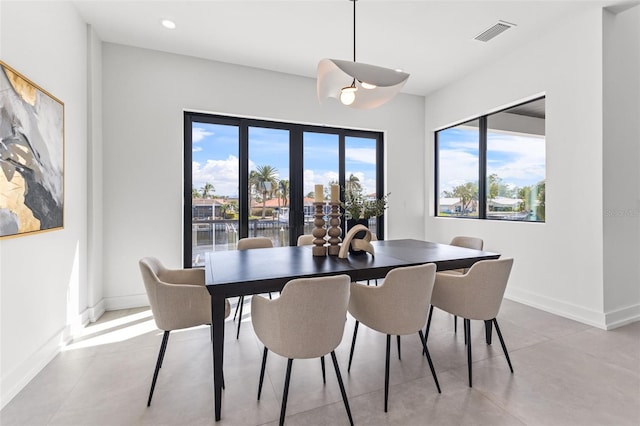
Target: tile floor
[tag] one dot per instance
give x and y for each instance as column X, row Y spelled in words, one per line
column 566, row 373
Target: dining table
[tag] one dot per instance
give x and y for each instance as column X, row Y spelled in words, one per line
column 245, row 272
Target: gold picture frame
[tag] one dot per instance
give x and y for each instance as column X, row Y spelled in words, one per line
column 31, row 157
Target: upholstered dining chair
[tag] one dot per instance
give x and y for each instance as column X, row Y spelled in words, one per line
column 178, row 299
column 306, row 240
column 248, row 244
column 397, row 307
column 306, row 321
column 476, row 295
column 466, row 242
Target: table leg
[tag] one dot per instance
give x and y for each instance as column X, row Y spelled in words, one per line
column 217, row 316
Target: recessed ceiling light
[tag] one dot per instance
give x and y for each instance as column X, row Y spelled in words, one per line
column 167, row 23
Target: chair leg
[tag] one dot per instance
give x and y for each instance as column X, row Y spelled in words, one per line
column 324, row 377
column 386, row 373
column 241, row 302
column 353, row 345
column 464, row 322
column 399, row 354
column 426, row 351
column 487, row 331
column 504, row 347
column 285, row 394
column 163, row 347
column 467, row 332
column 264, row 363
column 455, row 323
column 426, row 331
column 341, row 384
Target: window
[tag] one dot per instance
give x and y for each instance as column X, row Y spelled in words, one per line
column 459, row 167
column 493, row 167
column 250, row 178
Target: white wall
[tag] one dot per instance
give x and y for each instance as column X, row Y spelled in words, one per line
column 558, row 264
column 42, row 277
column 95, row 291
column 621, row 163
column 145, row 93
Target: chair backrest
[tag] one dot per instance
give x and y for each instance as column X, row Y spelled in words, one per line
column 399, row 306
column 254, row 243
column 478, row 293
column 467, row 242
column 306, row 240
column 307, row 320
column 485, row 284
column 175, row 306
column 150, row 267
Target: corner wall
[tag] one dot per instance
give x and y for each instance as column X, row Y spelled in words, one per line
column 558, row 264
column 145, row 93
column 621, row 140
column 43, row 276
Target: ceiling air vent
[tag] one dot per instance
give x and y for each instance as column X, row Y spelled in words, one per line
column 493, row 31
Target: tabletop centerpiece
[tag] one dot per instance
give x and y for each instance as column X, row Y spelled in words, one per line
column 359, row 208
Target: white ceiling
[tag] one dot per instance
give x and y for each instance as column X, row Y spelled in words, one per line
column 431, row 40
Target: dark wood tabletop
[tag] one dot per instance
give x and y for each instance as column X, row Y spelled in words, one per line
column 244, row 272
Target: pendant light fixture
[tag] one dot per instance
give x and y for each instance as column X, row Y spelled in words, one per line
column 355, row 84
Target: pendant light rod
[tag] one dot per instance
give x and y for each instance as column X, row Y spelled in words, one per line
column 354, row 30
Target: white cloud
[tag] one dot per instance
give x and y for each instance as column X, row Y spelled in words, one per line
column 311, row 179
column 456, row 167
column 198, row 133
column 527, row 159
column 222, row 174
column 362, row 155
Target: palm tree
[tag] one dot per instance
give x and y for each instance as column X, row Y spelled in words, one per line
column 194, row 192
column 353, row 184
column 265, row 181
column 207, row 190
column 283, row 187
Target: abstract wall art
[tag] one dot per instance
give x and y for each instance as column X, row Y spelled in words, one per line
column 31, row 157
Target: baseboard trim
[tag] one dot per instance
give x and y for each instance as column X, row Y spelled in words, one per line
column 623, row 316
column 15, row 380
column 126, row 302
column 558, row 307
column 96, row 311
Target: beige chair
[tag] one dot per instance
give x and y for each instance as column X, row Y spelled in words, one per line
column 178, row 299
column 306, row 321
column 306, row 240
column 397, row 307
column 248, row 244
column 475, row 295
column 466, row 242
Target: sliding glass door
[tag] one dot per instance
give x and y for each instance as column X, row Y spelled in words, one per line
column 254, row 178
column 267, row 184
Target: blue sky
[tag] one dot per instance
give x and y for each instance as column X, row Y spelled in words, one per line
column 215, row 157
column 517, row 158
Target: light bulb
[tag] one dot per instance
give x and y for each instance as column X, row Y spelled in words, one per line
column 348, row 94
column 367, row 86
